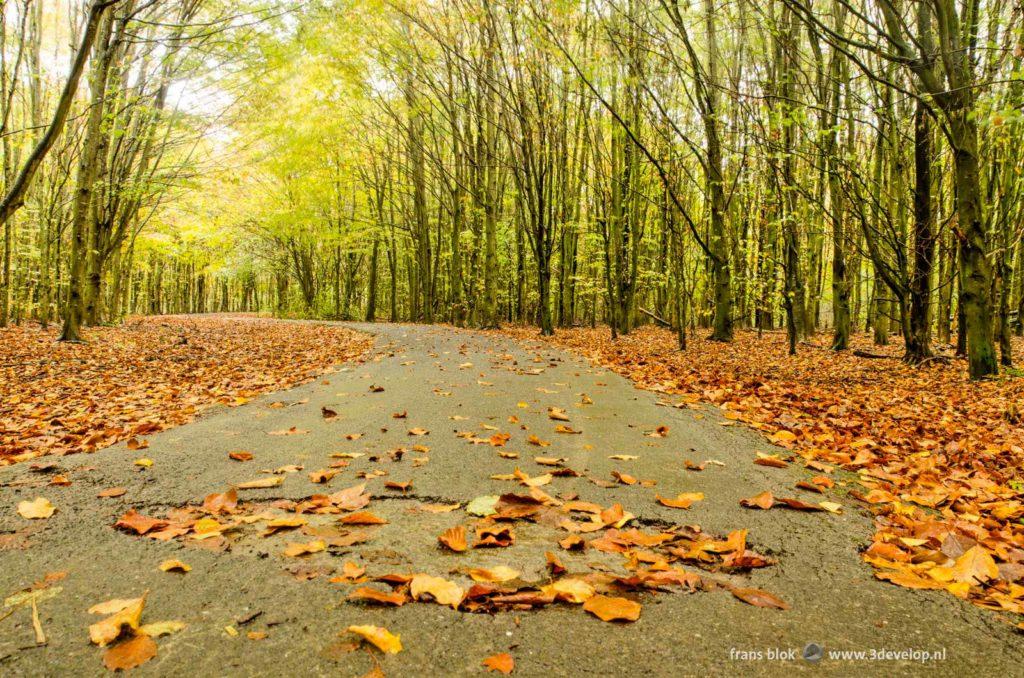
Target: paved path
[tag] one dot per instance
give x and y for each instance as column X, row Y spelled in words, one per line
column 426, row 372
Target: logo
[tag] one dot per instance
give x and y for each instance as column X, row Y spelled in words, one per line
column 813, row 652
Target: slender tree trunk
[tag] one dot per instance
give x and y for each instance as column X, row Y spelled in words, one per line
column 918, row 335
column 83, row 201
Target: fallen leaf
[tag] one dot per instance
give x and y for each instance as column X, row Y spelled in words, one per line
column 682, row 501
column 482, row 506
column 624, row 478
column 138, row 523
column 607, row 608
column 362, row 518
column 570, row 590
column 454, row 538
column 111, row 492
column 164, row 628
column 37, row 509
column 270, row 481
column 128, row 615
column 240, row 456
column 175, row 566
column 383, row 639
column 372, row 595
column 323, row 475
column 297, row 549
column 759, row 598
column 498, row 574
column 503, row 663
column 975, row 566
column 557, row 414
column 221, row 503
column 765, row 500
column 129, row 653
column 443, row 591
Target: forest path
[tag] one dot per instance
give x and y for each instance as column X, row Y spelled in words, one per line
column 435, row 374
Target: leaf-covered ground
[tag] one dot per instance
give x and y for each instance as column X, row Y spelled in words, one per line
column 939, row 458
column 461, row 503
column 150, row 374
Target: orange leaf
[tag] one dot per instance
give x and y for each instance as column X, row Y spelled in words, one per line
column 607, row 608
column 759, row 598
column 502, row 663
column 129, row 653
column 454, row 538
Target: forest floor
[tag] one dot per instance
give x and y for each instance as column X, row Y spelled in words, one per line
column 454, row 472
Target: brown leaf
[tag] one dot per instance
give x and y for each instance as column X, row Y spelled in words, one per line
column 771, row 460
column 372, row 595
column 323, row 475
column 765, row 500
column 221, row 503
column 759, row 598
column 240, row 456
column 362, row 518
column 555, row 566
column 138, row 523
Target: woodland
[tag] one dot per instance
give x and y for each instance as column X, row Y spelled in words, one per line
column 837, row 166
column 310, row 236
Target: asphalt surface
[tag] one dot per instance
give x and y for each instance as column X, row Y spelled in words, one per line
column 435, row 374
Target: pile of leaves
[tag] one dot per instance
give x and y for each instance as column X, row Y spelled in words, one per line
column 332, row 523
column 939, row 457
column 148, row 375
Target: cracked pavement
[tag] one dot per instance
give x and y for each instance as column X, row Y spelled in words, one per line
column 426, row 372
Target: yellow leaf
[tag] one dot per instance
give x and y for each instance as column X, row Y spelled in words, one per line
column 975, row 566
column 106, row 631
column 443, row 591
column 380, row 637
column 294, row 550
column 500, row 573
column 174, row 566
column 38, row 508
column 570, row 590
column 164, row 628
column 272, row 481
column 145, row 463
